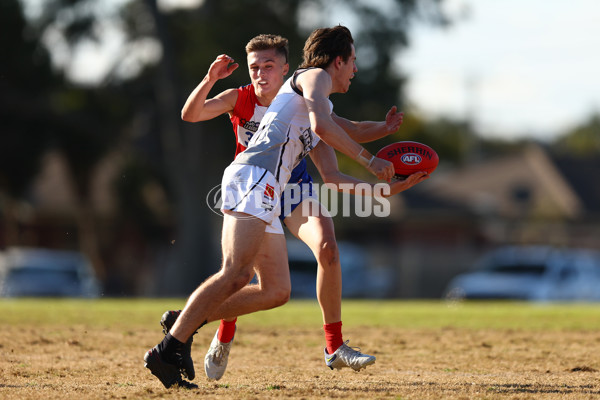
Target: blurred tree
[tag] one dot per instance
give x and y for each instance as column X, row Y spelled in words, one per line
column 40, row 111
column 577, row 155
column 581, row 141
column 25, row 78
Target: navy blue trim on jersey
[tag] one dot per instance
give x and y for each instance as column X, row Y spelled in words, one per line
column 295, row 87
column 287, row 139
column 293, row 82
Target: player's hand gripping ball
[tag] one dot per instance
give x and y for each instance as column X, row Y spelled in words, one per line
column 410, row 157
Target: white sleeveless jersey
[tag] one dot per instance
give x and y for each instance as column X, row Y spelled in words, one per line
column 284, row 136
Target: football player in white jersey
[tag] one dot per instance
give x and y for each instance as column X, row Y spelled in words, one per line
column 250, row 243
column 267, row 64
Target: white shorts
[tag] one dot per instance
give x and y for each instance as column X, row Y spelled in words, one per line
column 254, row 191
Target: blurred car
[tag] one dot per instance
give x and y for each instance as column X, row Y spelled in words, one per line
column 540, row 273
column 358, row 280
column 33, row 272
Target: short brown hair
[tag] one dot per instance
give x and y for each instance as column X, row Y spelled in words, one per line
column 266, row 42
column 325, row 44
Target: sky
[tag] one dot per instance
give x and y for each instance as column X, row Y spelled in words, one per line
column 516, row 68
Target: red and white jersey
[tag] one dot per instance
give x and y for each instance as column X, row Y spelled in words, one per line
column 246, row 116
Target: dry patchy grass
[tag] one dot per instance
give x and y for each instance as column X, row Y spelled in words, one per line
column 76, row 357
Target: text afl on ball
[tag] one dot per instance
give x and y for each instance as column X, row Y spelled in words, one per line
column 410, row 157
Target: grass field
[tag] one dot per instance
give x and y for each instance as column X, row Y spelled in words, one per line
column 55, row 349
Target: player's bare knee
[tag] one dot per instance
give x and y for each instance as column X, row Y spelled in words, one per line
column 239, row 279
column 328, row 253
column 278, row 296
column 244, row 277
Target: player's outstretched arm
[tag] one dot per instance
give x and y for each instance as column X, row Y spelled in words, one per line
column 368, row 131
column 324, row 158
column 316, row 86
column 197, row 107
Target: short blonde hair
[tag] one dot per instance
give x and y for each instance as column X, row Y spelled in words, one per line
column 268, row 41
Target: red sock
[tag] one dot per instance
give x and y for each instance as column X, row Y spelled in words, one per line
column 333, row 336
column 226, row 331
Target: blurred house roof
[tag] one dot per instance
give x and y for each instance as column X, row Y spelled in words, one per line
column 526, row 184
column 583, row 175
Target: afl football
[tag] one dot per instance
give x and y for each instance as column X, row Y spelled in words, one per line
column 409, row 157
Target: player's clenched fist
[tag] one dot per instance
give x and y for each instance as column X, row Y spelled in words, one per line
column 222, row 67
column 382, row 169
